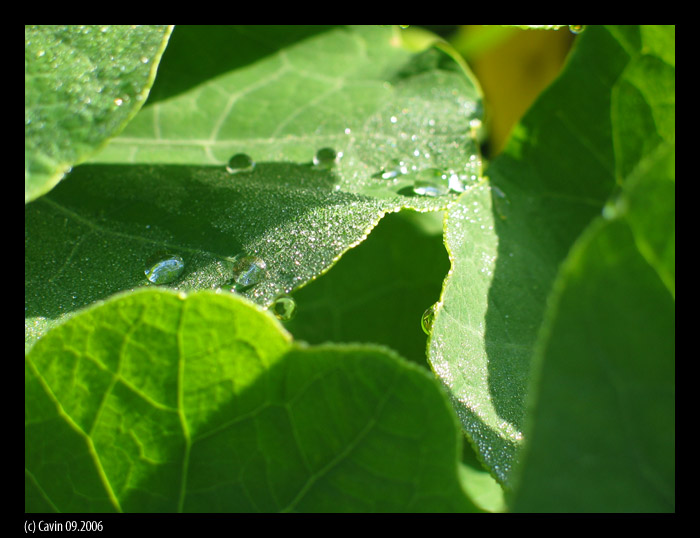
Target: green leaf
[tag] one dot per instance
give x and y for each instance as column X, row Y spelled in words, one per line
column 602, row 433
column 508, row 236
column 154, row 401
column 378, row 291
column 82, row 85
column 352, row 89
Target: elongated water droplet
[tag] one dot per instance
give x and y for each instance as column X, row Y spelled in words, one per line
column 426, row 320
column 431, row 182
column 240, row 162
column 284, row 308
column 577, row 28
column 393, row 169
column 247, row 271
column 326, row 158
column 500, row 202
column 164, row 268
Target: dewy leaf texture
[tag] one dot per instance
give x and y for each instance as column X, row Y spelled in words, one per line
column 378, row 106
column 158, row 402
column 602, row 435
column 248, row 175
column 601, row 432
column 82, row 84
column 506, row 239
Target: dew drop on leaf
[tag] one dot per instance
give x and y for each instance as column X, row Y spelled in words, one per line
column 431, row 182
column 576, row 28
column 247, row 271
column 325, row 158
column 164, row 268
column 393, row 169
column 426, row 320
column 284, row 308
column 240, row 162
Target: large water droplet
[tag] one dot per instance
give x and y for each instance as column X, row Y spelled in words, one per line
column 247, row 271
column 284, row 308
column 240, row 162
column 164, row 268
column 326, row 158
column 427, row 319
column 393, row 169
column 431, row 182
column 577, row 28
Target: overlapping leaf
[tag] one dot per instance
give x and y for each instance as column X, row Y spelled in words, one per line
column 602, row 434
column 508, row 237
column 378, row 291
column 82, row 85
column 158, row 402
column 397, row 120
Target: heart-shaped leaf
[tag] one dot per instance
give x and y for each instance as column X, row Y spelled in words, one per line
column 158, row 402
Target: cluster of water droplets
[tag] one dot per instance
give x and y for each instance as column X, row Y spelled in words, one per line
column 430, row 144
column 409, row 178
column 324, row 159
column 243, row 272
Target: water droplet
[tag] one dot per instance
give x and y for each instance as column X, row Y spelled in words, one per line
column 576, row 28
column 284, row 308
column 393, row 169
column 247, row 271
column 240, row 162
column 118, row 101
column 164, row 268
column 500, row 202
column 431, row 182
column 456, row 183
column 427, row 319
column 325, row 158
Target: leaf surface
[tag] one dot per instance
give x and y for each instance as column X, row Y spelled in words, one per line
column 602, row 434
column 508, row 236
column 153, row 401
column 383, row 110
column 379, row 290
column 82, row 85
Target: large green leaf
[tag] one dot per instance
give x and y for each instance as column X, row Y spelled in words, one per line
column 158, row 402
column 82, row 84
column 602, row 436
column 351, row 89
column 508, row 236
